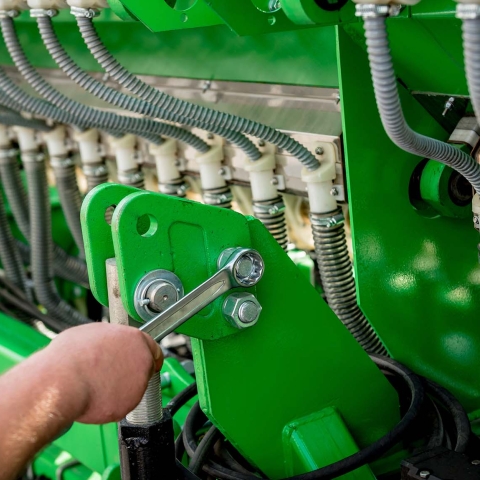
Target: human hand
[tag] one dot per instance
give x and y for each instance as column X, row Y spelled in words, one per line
column 109, row 365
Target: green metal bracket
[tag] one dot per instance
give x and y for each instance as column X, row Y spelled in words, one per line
column 318, row 440
column 239, row 371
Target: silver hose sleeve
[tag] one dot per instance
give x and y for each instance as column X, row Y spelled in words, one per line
column 70, row 198
column 388, row 102
column 208, row 117
column 127, row 102
column 67, row 267
column 42, row 246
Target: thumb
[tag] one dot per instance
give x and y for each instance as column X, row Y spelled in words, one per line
column 156, row 352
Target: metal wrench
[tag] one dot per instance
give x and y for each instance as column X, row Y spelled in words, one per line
column 243, row 268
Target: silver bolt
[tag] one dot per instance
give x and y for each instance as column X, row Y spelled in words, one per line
column 274, row 181
column 475, row 462
column 334, row 191
column 210, row 136
column 144, row 302
column 161, row 295
column 424, row 474
column 448, row 105
column 222, row 172
column 476, row 220
column 273, row 210
column 248, row 312
column 261, row 143
column 245, row 267
column 319, row 151
column 274, row 5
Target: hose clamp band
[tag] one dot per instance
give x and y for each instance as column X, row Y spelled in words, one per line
column 327, row 221
column 8, row 156
column 9, row 13
column 33, row 157
column 371, row 10
column 130, row 178
column 273, row 209
column 217, row 198
column 468, row 11
column 42, row 13
column 179, row 189
column 95, row 170
column 84, row 12
column 61, row 162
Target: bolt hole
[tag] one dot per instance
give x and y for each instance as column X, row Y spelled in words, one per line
column 272, row 21
column 165, row 298
column 181, row 5
column 109, row 213
column 147, row 225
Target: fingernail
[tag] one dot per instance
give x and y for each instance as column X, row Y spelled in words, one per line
column 158, row 352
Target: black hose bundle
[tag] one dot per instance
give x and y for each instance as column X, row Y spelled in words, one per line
column 212, row 453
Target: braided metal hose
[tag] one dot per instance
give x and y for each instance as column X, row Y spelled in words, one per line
column 127, row 102
column 219, row 197
column 41, row 243
column 71, row 112
column 95, row 175
column 389, row 106
column 70, row 198
column 337, row 278
column 180, row 107
column 65, row 266
column 272, row 214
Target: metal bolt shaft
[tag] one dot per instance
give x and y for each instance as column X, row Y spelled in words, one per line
column 149, row 410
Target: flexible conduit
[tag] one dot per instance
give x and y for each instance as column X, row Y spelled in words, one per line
column 41, row 243
column 176, row 106
column 127, row 102
column 388, row 101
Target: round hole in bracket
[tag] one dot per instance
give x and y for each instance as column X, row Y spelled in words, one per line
column 109, row 213
column 181, row 5
column 147, row 225
column 272, row 21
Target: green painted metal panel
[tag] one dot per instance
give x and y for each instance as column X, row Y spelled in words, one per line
column 418, row 278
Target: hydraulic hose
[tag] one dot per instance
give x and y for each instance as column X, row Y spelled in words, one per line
column 186, row 109
column 127, row 102
column 70, row 197
column 41, row 243
column 83, row 115
column 389, row 106
column 65, row 266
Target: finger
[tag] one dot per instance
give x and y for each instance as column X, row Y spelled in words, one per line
column 156, row 352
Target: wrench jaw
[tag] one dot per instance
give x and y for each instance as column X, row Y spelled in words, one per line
column 245, row 265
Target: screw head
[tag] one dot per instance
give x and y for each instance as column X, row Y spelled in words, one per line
column 241, row 310
column 424, row 474
column 319, row 151
column 249, row 268
column 334, row 191
column 475, row 462
column 261, row 143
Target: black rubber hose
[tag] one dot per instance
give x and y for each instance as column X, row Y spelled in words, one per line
column 211, row 118
column 127, row 102
column 459, row 415
column 65, row 266
column 178, row 401
column 41, row 245
column 10, row 117
column 70, row 197
column 194, row 421
column 83, row 115
column 204, row 450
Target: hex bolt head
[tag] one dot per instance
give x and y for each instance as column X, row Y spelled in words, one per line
column 241, row 310
column 161, row 295
column 475, row 462
column 424, row 474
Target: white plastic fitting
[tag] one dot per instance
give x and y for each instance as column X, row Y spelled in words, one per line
column 6, row 5
column 47, row 4
column 88, row 3
column 387, row 2
column 319, row 182
column 210, row 164
column 165, row 156
column 56, row 142
column 262, row 173
column 124, row 148
column 27, row 139
column 90, row 152
column 470, row 2
column 476, row 205
column 4, row 138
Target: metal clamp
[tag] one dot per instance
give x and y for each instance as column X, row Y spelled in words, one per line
column 33, row 157
column 327, row 221
column 42, row 12
column 371, row 10
column 62, row 162
column 272, row 209
column 84, row 12
column 239, row 267
column 468, row 11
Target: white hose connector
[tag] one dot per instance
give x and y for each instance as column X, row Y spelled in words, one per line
column 262, row 173
column 165, row 156
column 12, row 5
column 47, row 4
column 87, row 4
column 319, row 182
column 27, row 139
column 387, row 2
column 56, row 141
column 125, row 152
column 4, row 138
column 210, row 165
column 89, row 146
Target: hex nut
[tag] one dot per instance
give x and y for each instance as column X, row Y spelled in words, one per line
column 241, row 310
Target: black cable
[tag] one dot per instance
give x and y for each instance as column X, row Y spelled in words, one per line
column 459, row 415
column 204, row 449
column 182, row 398
column 195, row 419
column 438, row 431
